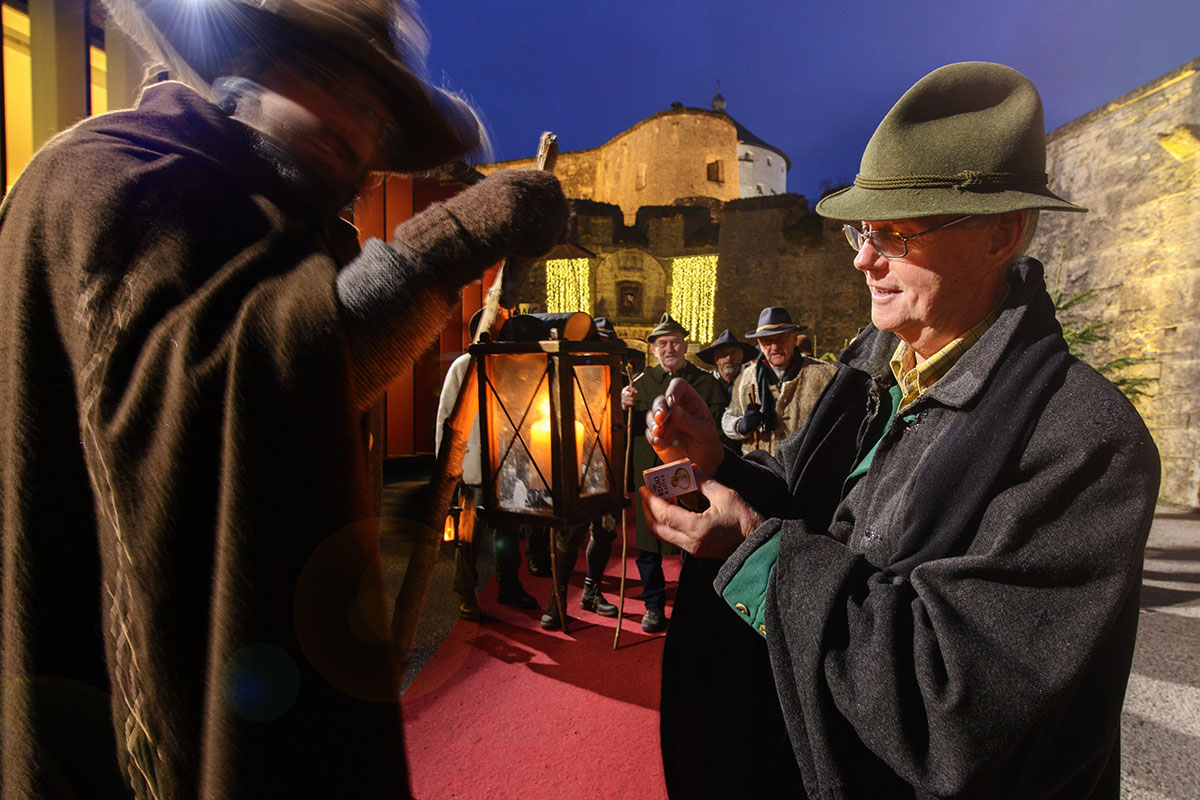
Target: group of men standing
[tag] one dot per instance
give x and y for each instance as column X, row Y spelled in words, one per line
column 929, row 589
column 758, row 396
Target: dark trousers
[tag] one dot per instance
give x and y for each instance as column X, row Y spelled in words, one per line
column 599, row 548
column 654, row 583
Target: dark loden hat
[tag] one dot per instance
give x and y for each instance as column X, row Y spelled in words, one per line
column 968, row 138
column 667, row 324
column 200, row 42
column 709, row 354
column 772, row 320
column 607, row 332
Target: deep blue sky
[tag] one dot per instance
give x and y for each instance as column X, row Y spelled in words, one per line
column 811, row 77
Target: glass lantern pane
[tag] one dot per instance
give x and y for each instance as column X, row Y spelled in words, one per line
column 593, row 427
column 518, row 399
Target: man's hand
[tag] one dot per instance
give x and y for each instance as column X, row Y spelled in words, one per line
column 715, row 533
column 628, row 397
column 750, row 420
column 680, row 425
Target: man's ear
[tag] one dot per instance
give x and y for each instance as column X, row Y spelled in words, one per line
column 1006, row 235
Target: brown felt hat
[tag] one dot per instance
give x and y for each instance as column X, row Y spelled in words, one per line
column 199, row 42
column 967, row 138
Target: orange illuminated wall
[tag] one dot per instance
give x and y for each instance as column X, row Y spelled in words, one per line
column 18, row 93
column 412, row 399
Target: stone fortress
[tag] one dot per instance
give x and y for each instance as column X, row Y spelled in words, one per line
column 688, row 211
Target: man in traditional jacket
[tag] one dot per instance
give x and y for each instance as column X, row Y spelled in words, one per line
column 932, row 590
column 668, row 340
column 189, row 340
column 771, row 400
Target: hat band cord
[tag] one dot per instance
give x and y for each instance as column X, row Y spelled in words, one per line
column 967, row 179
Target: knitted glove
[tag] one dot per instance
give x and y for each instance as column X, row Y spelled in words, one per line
column 519, row 213
column 750, row 420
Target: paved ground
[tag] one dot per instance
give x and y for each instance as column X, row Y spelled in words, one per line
column 1161, row 722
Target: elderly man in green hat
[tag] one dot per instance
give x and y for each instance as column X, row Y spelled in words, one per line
column 668, row 341
column 190, row 338
column 932, row 590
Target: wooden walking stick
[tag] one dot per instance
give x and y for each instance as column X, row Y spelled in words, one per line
column 624, row 516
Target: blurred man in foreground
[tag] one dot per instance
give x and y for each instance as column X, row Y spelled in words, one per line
column 192, row 599
column 932, row 590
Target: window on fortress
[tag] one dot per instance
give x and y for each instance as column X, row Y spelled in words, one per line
column 629, row 299
column 716, row 171
column 641, row 177
column 758, row 188
column 768, row 161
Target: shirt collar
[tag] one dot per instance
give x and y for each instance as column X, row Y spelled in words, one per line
column 915, row 379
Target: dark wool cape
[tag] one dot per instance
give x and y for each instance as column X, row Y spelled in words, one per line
column 961, row 622
column 191, row 582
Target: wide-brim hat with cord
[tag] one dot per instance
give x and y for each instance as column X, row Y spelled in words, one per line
column 667, row 324
column 726, row 339
column 199, row 42
column 968, row 138
column 772, row 320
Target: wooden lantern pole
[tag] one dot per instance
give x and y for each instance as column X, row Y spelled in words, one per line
column 624, row 516
column 447, row 470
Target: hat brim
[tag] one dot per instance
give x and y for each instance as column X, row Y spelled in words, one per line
column 709, row 354
column 857, row 203
column 758, row 334
column 431, row 126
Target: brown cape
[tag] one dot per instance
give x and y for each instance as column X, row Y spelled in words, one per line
column 190, row 594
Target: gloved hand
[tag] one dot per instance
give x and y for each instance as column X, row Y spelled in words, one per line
column 521, row 213
column 750, row 420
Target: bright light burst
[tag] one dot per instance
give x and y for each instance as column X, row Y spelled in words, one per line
column 693, row 294
column 568, row 285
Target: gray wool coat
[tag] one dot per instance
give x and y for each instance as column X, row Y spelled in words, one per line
column 961, row 621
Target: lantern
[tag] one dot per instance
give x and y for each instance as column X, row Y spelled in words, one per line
column 551, row 433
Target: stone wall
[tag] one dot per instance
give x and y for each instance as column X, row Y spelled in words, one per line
column 771, row 252
column 774, row 253
column 1135, row 164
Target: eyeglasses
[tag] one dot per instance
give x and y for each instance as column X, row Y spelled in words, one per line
column 890, row 244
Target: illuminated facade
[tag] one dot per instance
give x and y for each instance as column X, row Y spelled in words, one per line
column 62, row 62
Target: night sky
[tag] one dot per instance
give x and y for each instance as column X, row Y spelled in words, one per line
column 812, row 78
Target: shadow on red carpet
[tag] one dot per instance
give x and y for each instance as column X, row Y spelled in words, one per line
column 505, row 710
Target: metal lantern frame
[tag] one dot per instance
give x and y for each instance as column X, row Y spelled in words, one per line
column 567, row 503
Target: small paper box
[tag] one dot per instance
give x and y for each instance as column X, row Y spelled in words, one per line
column 671, row 480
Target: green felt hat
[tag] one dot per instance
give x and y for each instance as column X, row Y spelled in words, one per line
column 967, row 138
column 667, row 324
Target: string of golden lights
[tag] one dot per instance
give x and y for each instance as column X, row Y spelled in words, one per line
column 693, row 294
column 568, row 285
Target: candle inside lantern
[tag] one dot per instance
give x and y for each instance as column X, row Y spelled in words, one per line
column 539, row 438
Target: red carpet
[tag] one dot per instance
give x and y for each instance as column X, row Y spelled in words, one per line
column 505, row 710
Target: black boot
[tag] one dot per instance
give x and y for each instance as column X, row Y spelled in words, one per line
column 512, row 593
column 592, row 600
column 551, row 621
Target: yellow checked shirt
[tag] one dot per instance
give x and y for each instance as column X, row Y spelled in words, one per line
column 915, row 379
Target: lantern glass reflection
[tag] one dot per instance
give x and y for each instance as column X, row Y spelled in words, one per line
column 593, row 426
column 520, row 432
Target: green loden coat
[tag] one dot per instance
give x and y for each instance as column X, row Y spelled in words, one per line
column 650, row 385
